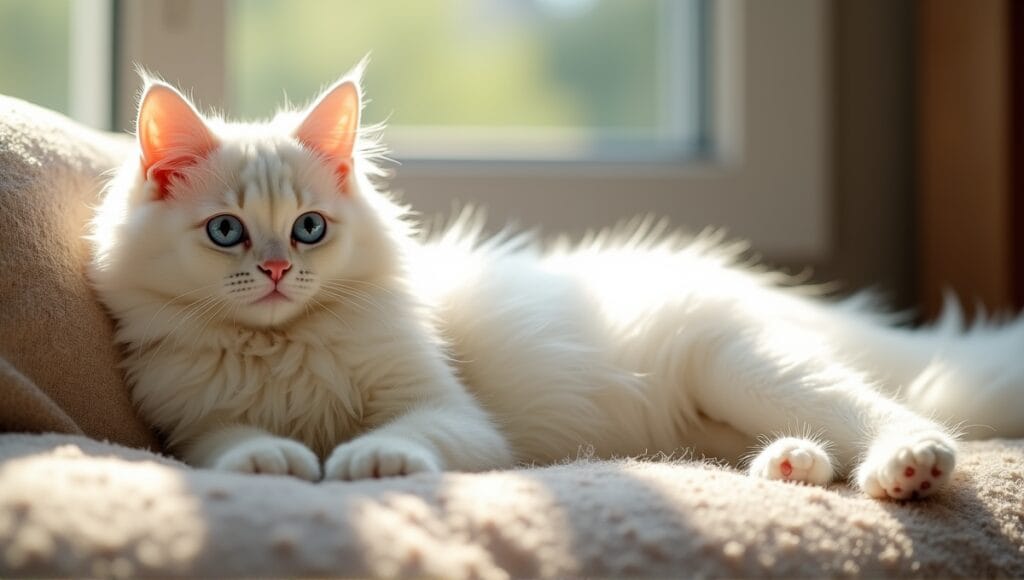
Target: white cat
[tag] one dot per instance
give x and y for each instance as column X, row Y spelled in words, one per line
column 278, row 309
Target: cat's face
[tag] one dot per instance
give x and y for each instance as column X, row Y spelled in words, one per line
column 255, row 224
column 267, row 231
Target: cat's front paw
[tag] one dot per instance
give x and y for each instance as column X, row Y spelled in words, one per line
column 793, row 459
column 908, row 466
column 273, row 455
column 374, row 456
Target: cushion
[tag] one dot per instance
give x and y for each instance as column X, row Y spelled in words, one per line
column 58, row 362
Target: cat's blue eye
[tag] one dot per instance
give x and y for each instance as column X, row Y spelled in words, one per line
column 225, row 230
column 309, row 228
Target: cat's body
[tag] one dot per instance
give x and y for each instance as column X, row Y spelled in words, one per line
column 384, row 354
column 640, row 340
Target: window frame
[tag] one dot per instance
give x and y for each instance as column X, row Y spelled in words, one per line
column 90, row 64
column 768, row 178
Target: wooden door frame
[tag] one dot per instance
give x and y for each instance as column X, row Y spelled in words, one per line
column 970, row 149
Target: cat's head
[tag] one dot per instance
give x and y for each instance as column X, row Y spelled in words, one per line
column 259, row 223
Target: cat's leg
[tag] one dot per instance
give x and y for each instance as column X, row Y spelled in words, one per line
column 452, row 434
column 251, row 450
column 777, row 377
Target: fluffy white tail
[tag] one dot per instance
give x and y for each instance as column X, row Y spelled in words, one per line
column 971, row 375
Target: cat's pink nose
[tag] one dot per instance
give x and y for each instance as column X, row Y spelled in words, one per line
column 276, row 269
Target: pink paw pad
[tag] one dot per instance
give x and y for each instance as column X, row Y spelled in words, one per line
column 793, row 460
column 915, row 467
column 917, row 483
column 786, row 468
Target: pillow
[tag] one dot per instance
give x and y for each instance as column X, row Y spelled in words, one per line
column 58, row 361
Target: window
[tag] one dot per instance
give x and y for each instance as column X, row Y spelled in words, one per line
column 35, row 53
column 57, row 54
column 488, row 79
column 710, row 112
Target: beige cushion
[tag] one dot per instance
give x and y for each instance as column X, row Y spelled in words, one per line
column 58, row 362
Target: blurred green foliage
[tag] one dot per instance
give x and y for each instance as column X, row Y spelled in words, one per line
column 553, row 63
column 34, row 51
column 540, row 63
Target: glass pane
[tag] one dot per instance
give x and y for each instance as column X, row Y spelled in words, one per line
column 34, row 53
column 485, row 78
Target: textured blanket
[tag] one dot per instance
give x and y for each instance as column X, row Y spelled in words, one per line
column 71, row 505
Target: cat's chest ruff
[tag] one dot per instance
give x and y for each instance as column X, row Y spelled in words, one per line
column 296, row 386
column 285, row 364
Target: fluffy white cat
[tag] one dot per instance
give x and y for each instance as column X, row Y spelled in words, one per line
column 281, row 314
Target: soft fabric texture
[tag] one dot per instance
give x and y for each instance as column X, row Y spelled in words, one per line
column 72, row 506
column 58, row 363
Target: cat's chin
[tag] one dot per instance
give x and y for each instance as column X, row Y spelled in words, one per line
column 266, row 314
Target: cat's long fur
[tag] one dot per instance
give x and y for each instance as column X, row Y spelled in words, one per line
column 403, row 354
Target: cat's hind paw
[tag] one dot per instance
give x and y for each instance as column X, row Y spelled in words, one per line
column 908, row 466
column 271, row 455
column 793, row 459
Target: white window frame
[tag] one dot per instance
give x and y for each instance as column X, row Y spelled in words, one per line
column 768, row 178
column 90, row 63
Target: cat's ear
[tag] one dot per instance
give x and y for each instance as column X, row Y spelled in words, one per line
column 331, row 127
column 172, row 135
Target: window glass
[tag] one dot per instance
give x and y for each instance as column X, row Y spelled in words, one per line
column 486, row 78
column 34, row 53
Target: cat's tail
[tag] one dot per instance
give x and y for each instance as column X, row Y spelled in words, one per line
column 966, row 374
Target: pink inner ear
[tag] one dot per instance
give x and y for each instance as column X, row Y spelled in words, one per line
column 172, row 135
column 331, row 127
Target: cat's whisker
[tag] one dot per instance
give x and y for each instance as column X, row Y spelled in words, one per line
column 339, row 286
column 230, row 306
column 349, row 300
column 366, row 297
column 348, row 281
column 331, row 312
column 184, row 315
column 196, row 316
column 361, row 303
column 209, row 318
column 145, row 332
column 189, row 312
column 351, row 292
